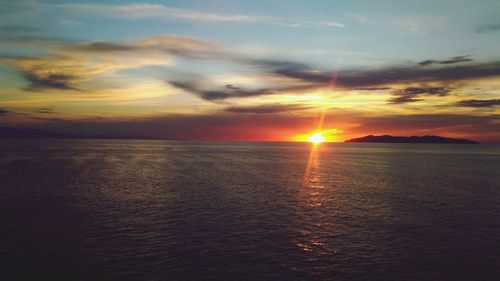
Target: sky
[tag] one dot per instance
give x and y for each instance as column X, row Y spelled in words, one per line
column 252, row 70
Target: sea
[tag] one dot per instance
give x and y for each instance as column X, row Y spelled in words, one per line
column 180, row 210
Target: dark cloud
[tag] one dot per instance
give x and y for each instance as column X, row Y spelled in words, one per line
column 99, row 47
column 300, row 77
column 360, row 78
column 213, row 95
column 4, row 112
column 294, row 70
column 267, row 109
column 45, row 110
column 411, row 94
column 58, row 81
column 46, row 72
column 373, row 89
column 350, row 78
column 479, row 103
column 308, row 78
column 48, row 119
column 232, row 87
column 452, row 60
column 181, row 46
column 390, row 75
column 488, row 28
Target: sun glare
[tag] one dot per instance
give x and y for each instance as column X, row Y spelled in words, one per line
column 316, row 138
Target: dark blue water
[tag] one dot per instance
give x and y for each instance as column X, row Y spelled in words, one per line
column 166, row 210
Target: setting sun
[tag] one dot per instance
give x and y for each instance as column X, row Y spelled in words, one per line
column 316, row 138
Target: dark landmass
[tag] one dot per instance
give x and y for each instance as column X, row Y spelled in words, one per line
column 412, row 139
column 7, row 132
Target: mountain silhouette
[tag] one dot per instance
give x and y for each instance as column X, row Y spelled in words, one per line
column 411, row 139
column 8, row 132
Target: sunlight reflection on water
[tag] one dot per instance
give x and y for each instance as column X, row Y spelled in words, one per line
column 156, row 210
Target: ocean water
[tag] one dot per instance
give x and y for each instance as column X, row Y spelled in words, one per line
column 172, row 210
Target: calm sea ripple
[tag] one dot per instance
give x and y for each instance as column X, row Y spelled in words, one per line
column 173, row 210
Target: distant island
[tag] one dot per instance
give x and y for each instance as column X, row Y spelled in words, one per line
column 8, row 132
column 412, row 139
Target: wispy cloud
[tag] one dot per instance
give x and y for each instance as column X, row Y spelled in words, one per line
column 412, row 94
column 457, row 59
column 303, row 78
column 479, row 103
column 267, row 109
column 74, row 63
column 168, row 44
column 418, row 24
column 159, row 11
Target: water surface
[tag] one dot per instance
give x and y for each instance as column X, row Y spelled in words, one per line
column 172, row 210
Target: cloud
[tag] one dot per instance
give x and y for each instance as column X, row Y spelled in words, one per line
column 79, row 62
column 488, row 28
column 372, row 89
column 98, row 47
column 198, row 87
column 144, row 11
column 296, row 78
column 38, row 81
column 267, row 109
column 478, row 103
column 457, row 59
column 49, row 72
column 4, row 112
column 75, row 63
column 292, row 69
column 194, row 87
column 357, row 78
column 419, row 24
column 45, row 110
column 171, row 44
column 159, row 11
column 411, row 94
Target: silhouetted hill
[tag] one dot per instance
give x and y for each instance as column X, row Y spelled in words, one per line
column 412, row 139
column 7, row 132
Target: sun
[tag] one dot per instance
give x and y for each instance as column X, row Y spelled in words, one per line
column 316, row 138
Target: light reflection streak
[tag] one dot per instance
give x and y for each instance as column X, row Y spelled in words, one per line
column 312, row 196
